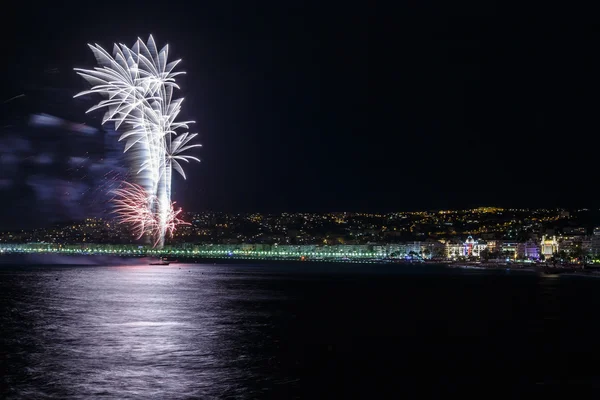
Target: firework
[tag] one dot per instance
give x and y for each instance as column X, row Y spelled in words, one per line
column 138, row 85
column 133, row 207
column 172, row 220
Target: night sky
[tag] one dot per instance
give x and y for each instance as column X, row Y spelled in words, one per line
column 341, row 106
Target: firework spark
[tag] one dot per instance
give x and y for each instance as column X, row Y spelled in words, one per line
column 132, row 205
column 172, row 220
column 138, row 84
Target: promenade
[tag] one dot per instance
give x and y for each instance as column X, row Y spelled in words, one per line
column 311, row 253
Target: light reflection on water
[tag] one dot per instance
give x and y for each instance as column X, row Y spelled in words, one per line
column 124, row 332
column 287, row 331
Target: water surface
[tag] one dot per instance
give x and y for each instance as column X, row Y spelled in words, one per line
column 291, row 331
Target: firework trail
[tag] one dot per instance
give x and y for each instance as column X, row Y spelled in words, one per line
column 138, row 86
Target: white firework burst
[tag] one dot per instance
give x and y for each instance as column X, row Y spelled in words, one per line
column 138, row 85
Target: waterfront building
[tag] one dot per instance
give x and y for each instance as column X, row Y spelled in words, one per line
column 570, row 243
column 494, row 245
column 454, row 249
column 549, row 246
column 509, row 249
column 530, row 250
column 404, row 249
column 473, row 247
column 595, row 242
column 469, row 244
column 432, row 249
column 380, row 250
column 252, row 247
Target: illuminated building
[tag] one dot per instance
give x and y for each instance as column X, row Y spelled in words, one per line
column 574, row 244
column 473, row 247
column 493, row 245
column 509, row 249
column 432, row 249
column 595, row 241
column 530, row 250
column 454, row 249
column 404, row 249
column 549, row 246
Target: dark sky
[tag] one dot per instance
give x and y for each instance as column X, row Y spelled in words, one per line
column 319, row 106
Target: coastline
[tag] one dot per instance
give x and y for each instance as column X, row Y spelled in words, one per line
column 24, row 259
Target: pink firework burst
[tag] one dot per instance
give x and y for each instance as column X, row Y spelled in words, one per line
column 134, row 206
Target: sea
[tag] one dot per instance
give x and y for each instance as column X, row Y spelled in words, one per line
column 293, row 330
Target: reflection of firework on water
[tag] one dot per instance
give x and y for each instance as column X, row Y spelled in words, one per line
column 138, row 84
column 133, row 207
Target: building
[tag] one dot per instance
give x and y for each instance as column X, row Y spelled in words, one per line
column 454, row 249
column 549, row 246
column 432, row 249
column 494, row 245
column 469, row 248
column 571, row 243
column 530, row 250
column 404, row 249
column 473, row 248
column 509, row 249
column 595, row 242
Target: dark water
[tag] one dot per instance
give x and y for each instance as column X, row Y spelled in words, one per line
column 292, row 331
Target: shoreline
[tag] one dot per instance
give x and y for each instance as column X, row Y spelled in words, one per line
column 23, row 259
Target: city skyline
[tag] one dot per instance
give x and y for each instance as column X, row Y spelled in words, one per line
column 500, row 236
column 186, row 214
column 335, row 227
